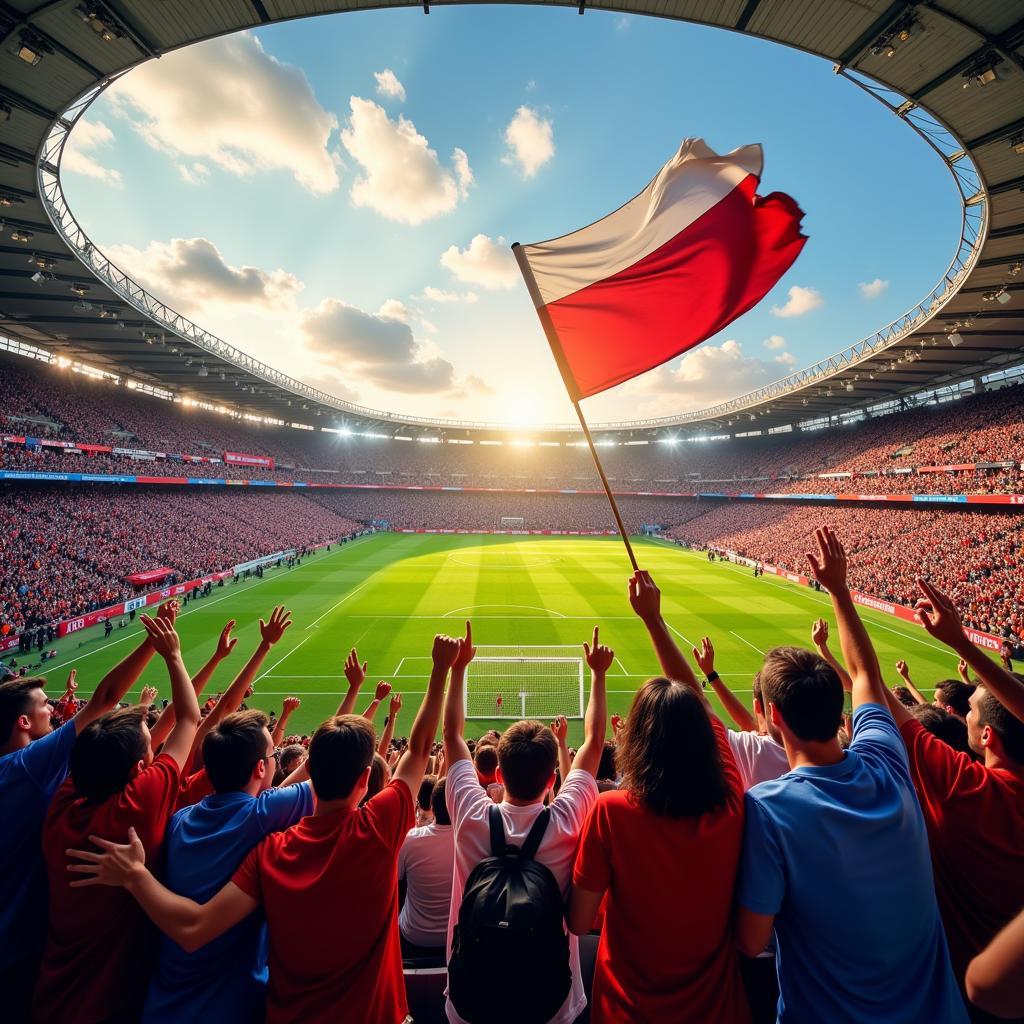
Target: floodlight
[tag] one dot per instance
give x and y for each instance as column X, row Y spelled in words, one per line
column 21, row 236
column 203, row 371
column 27, row 48
column 956, row 339
column 1002, row 296
column 1017, row 144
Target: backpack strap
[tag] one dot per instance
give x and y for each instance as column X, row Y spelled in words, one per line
column 535, row 835
column 498, row 845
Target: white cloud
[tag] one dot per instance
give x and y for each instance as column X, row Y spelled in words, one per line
column 776, row 341
column 801, row 300
column 872, row 289
column 402, row 178
column 530, row 140
column 432, row 294
column 394, row 309
column 484, row 262
column 228, row 102
column 786, row 359
column 190, row 273
column 194, row 173
column 85, row 137
column 389, row 85
column 380, row 350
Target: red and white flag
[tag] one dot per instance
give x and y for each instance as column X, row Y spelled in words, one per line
column 675, row 265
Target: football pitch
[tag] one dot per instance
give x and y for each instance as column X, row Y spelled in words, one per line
column 388, row 594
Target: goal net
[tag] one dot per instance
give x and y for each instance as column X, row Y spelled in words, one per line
column 513, row 522
column 525, row 682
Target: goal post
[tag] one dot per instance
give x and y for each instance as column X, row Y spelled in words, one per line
column 513, row 522
column 517, row 683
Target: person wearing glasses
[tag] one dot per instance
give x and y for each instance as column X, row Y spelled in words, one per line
column 225, row 980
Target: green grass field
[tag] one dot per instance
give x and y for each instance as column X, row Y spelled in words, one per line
column 390, row 593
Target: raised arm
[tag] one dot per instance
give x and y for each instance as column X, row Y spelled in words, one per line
column 288, row 707
column 123, row 676
column 595, row 723
column 734, row 707
column 819, row 637
column 937, row 613
column 191, row 925
column 454, row 724
column 994, row 975
column 167, row 644
column 356, row 676
column 271, row 632
column 829, row 569
column 560, row 727
column 645, row 600
column 904, row 673
column 380, row 694
column 389, row 725
column 421, row 737
column 225, row 645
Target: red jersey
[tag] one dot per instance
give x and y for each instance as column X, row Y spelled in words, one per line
column 194, row 788
column 975, row 819
column 666, row 951
column 329, row 889
column 100, row 947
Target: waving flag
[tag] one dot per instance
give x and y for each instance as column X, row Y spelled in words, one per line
column 675, row 265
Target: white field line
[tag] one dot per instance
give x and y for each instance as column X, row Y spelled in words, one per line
column 547, row 615
column 313, row 624
column 206, row 604
column 812, row 596
column 398, row 667
column 335, row 693
column 618, row 661
column 525, row 607
column 689, row 643
column 747, row 642
column 282, row 660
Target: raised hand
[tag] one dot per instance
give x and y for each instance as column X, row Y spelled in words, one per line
column 162, row 636
column 395, row 706
column 819, row 633
column 828, row 566
column 902, row 669
column 115, row 866
column 169, row 610
column 560, row 727
column 272, row 631
column 354, row 672
column 147, row 696
column 962, row 670
column 937, row 613
column 290, row 704
column 226, row 642
column 382, row 691
column 467, row 652
column 445, row 651
column 705, row 656
column 72, row 684
column 618, row 724
column 597, row 655
column 644, row 596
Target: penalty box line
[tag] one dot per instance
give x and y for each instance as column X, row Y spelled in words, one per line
column 426, row 657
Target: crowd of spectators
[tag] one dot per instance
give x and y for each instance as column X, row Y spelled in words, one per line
column 976, row 556
column 41, row 400
column 187, row 859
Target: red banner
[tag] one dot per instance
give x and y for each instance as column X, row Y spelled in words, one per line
column 241, row 459
column 141, row 579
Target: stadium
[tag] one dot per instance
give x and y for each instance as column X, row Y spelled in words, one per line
column 158, row 481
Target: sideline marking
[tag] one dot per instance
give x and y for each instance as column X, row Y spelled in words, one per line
column 342, row 601
column 747, row 642
column 468, row 607
column 282, row 661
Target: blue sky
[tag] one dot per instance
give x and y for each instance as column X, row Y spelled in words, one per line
column 279, row 188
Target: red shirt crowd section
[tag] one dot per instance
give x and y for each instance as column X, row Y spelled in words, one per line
column 39, row 401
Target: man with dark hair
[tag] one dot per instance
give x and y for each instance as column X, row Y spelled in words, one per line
column 974, row 810
column 99, row 948
column 328, row 885
column 227, row 979
column 485, row 759
column 425, row 864
column 954, row 696
column 527, row 759
column 843, row 823
column 33, row 763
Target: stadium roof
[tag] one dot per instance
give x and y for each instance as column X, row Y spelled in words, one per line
column 952, row 70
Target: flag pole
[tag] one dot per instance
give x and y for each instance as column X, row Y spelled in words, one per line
column 570, row 386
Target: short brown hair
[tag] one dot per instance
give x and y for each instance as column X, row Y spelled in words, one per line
column 527, row 757
column 668, row 755
column 486, row 759
column 439, row 804
column 340, row 751
column 233, row 748
column 805, row 689
column 106, row 751
column 15, row 701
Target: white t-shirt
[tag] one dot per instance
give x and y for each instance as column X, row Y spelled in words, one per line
column 759, row 758
column 468, row 805
column 426, row 862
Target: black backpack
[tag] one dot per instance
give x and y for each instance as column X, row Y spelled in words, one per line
column 510, row 927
